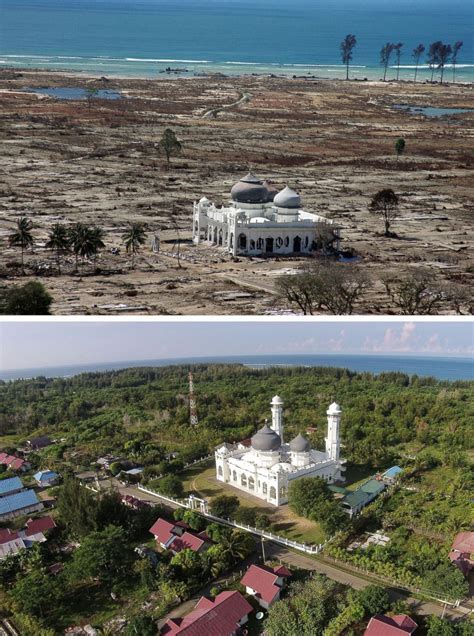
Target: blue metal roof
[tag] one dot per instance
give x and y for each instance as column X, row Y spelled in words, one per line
column 393, row 471
column 8, row 485
column 20, row 500
column 45, row 475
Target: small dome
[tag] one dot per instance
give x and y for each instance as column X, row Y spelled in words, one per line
column 266, row 439
column 249, row 190
column 334, row 409
column 277, row 400
column 287, row 198
column 272, row 191
column 299, row 445
column 204, row 200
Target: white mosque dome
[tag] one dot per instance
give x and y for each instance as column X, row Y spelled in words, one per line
column 334, row 409
column 287, row 198
column 204, row 200
column 266, row 439
column 250, row 189
column 299, row 444
column 277, row 400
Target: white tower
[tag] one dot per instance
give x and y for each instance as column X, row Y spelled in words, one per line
column 332, row 439
column 277, row 416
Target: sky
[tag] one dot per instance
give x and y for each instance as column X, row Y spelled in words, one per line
column 25, row 344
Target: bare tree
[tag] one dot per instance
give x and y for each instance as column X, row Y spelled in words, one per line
column 417, row 53
column 323, row 286
column 454, row 57
column 385, row 204
column 415, row 294
column 385, row 55
column 347, row 46
column 444, row 55
column 91, row 93
column 433, row 56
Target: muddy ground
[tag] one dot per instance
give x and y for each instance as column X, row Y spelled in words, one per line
column 331, row 140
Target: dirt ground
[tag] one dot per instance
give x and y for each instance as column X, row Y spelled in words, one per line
column 333, row 141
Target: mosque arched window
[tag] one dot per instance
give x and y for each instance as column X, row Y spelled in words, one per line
column 219, row 471
column 260, row 244
column 251, row 483
column 252, row 244
column 243, row 480
column 287, row 241
column 273, row 493
column 234, row 475
column 306, row 241
column 231, row 242
column 242, row 242
column 265, row 488
column 279, row 242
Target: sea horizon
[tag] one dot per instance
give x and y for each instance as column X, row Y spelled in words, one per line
column 142, row 39
column 450, row 368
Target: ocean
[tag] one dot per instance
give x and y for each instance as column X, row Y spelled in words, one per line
column 141, row 38
column 442, row 368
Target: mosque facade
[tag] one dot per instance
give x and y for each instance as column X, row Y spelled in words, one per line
column 261, row 220
column 266, row 468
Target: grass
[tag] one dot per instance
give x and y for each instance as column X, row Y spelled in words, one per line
column 200, row 480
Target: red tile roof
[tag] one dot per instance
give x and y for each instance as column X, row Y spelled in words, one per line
column 17, row 463
column 464, row 542
column 282, row 571
column 33, row 526
column 8, row 459
column 6, row 535
column 162, row 530
column 2, row 457
column 398, row 625
column 263, row 581
column 187, row 540
column 211, row 618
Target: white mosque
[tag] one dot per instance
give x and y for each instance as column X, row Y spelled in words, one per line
column 260, row 220
column 266, row 468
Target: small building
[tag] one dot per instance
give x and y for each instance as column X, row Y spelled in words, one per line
column 165, row 532
column 178, row 536
column 398, row 625
column 21, row 503
column 13, row 462
column 46, row 478
column 224, row 616
column 353, row 502
column 188, row 540
column 462, row 552
column 134, row 502
column 10, row 486
column 391, row 475
column 265, row 583
column 12, row 542
column 37, row 443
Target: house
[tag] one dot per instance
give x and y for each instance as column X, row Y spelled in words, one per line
column 265, row 583
column 13, row 542
column 10, row 486
column 20, row 503
column 46, row 478
column 391, row 475
column 134, row 502
column 177, row 536
column 353, row 502
column 12, row 462
column 224, row 616
column 399, row 625
column 37, row 443
column 462, row 552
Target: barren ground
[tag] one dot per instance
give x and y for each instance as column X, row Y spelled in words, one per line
column 331, row 140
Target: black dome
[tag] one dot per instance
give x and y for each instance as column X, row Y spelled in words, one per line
column 250, row 189
column 266, row 439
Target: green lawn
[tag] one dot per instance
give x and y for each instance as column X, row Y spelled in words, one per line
column 200, row 480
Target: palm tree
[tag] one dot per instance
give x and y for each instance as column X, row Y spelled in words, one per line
column 444, row 54
column 133, row 238
column 398, row 53
column 86, row 241
column 22, row 237
column 75, row 233
column 58, row 241
column 417, row 53
column 235, row 546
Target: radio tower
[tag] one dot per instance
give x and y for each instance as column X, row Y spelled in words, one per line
column 192, row 402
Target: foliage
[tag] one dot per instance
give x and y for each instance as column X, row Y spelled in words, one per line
column 171, row 485
column 133, row 238
column 22, row 236
column 415, row 294
column 447, row 580
column 385, row 204
column 374, row 599
column 170, row 145
column 58, row 242
column 224, row 506
column 194, row 520
column 142, row 625
column 34, row 590
column 30, row 299
column 400, row 146
column 310, row 497
column 347, row 46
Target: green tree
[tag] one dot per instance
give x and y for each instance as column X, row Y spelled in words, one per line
column 454, row 57
column 104, row 555
column 188, row 562
column 58, row 242
column 133, row 238
column 385, row 204
column 91, row 93
column 237, row 545
column 224, row 506
column 22, row 237
column 398, row 52
column 374, row 599
column 416, row 54
column 86, row 242
column 194, row 520
column 444, row 55
column 437, row 626
column 433, row 56
column 172, row 486
column 385, row 55
column 142, row 625
column 246, row 515
column 30, row 299
column 306, row 494
column 33, row 592
column 448, row 581
column 399, row 147
column 170, row 145
column 347, row 46
column 417, row 293
column 77, row 507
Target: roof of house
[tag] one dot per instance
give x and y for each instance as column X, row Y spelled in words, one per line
column 40, row 442
column 9, row 485
column 17, row 463
column 162, row 530
column 3, row 455
column 355, row 498
column 33, row 526
column 6, row 535
column 393, row 472
column 187, row 540
column 381, row 625
column 263, row 581
column 19, row 500
column 45, row 475
column 213, row 618
column 463, row 542
column 372, row 487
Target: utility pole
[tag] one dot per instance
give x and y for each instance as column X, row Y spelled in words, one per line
column 263, row 550
column 192, row 402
